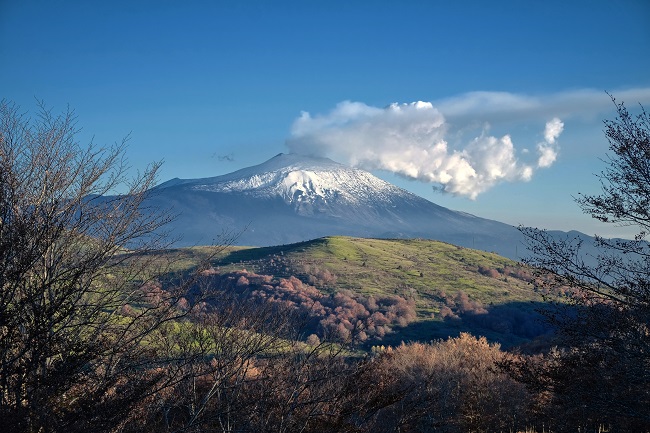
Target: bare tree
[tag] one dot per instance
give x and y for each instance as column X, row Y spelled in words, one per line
column 602, row 373
column 70, row 263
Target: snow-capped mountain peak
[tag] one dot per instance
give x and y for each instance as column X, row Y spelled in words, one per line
column 309, row 184
column 291, row 198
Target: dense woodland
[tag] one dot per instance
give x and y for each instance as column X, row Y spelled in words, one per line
column 103, row 329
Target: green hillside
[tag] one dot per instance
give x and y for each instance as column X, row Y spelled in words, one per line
column 385, row 266
column 454, row 289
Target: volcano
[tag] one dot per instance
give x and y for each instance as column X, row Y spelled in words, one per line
column 292, row 198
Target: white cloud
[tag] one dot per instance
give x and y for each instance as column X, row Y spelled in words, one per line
column 429, row 141
column 553, row 130
column 500, row 106
column 408, row 139
column 548, row 151
column 547, row 155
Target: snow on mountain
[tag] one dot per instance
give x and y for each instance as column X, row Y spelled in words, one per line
column 291, row 198
column 308, row 184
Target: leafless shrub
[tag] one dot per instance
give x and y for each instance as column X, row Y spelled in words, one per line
column 78, row 300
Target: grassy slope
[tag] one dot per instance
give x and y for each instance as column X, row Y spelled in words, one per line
column 380, row 266
column 423, row 269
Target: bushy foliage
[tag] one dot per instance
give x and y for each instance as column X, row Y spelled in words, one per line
column 450, row 386
column 342, row 316
column 447, row 386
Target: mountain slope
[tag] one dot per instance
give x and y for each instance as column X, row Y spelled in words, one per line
column 293, row 198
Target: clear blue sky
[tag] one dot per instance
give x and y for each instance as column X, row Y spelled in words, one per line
column 211, row 87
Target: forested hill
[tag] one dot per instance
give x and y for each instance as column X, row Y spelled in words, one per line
column 401, row 290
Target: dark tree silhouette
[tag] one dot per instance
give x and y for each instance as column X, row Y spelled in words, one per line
column 602, row 372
